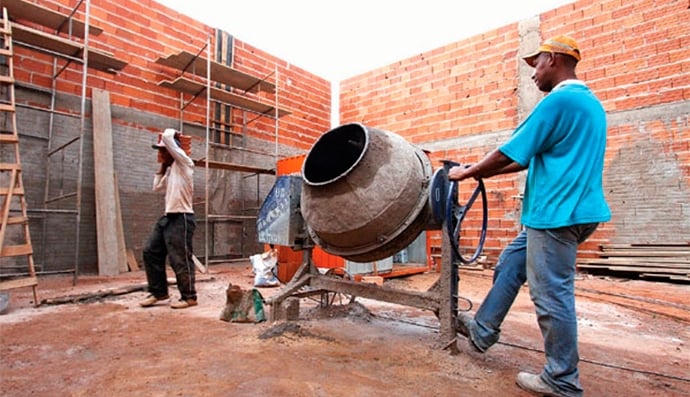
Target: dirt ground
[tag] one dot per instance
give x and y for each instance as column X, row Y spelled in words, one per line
column 634, row 341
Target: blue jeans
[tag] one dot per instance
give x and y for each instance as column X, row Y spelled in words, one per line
column 546, row 260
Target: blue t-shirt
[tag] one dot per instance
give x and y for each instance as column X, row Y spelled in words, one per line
column 563, row 142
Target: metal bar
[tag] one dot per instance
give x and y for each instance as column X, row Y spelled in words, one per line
column 69, row 19
column 64, row 145
column 21, row 105
column 421, row 300
column 208, row 55
column 80, row 171
column 51, row 211
column 448, row 285
column 207, row 152
column 62, row 197
column 40, row 273
column 276, row 120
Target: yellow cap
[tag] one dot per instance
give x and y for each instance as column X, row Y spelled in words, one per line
column 561, row 44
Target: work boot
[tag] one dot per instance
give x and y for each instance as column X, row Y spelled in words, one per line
column 183, row 303
column 152, row 300
column 533, row 384
column 462, row 325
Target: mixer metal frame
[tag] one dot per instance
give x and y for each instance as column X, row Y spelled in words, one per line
column 441, row 298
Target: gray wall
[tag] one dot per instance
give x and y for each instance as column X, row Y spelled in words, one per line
column 53, row 233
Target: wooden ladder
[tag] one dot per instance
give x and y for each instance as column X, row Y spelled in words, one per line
column 15, row 240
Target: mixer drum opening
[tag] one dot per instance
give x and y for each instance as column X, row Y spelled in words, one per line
column 365, row 192
column 334, row 154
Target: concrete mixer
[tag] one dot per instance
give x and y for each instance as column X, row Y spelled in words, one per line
column 365, row 194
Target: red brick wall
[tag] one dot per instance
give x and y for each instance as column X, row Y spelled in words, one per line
column 461, row 89
column 139, row 32
column 636, row 57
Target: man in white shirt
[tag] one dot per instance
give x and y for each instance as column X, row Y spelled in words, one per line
column 172, row 234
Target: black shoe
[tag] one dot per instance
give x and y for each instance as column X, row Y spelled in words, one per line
column 462, row 326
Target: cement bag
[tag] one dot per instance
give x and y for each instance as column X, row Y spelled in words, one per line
column 243, row 306
column 264, row 266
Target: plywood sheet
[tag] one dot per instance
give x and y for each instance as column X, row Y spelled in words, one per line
column 24, row 10
column 192, row 87
column 99, row 60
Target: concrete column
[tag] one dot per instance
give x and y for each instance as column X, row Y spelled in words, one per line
column 528, row 93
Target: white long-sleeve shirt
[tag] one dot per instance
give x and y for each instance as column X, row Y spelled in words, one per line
column 178, row 179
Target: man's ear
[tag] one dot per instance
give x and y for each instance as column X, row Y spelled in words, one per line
column 552, row 58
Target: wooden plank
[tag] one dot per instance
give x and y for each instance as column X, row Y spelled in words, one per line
column 8, row 138
column 195, row 88
column 111, row 251
column 132, row 261
column 24, row 10
column 675, row 277
column 638, row 261
column 634, row 269
column 219, row 73
column 18, row 283
column 17, row 191
column 17, row 220
column 219, row 165
column 643, row 247
column 645, row 253
column 17, row 250
column 89, row 296
column 99, row 60
column 6, row 206
column 118, row 222
column 10, row 166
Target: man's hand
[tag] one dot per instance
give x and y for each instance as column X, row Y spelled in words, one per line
column 459, row 172
column 163, row 168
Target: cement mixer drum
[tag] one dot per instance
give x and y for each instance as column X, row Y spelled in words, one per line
column 365, row 192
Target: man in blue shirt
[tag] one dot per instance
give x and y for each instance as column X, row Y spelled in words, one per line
column 562, row 145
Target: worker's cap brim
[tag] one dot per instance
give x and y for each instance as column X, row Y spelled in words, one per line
column 559, row 44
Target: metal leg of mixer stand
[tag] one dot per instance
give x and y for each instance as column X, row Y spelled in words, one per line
column 300, row 279
column 448, row 289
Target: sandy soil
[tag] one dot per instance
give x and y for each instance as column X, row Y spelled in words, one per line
column 634, row 338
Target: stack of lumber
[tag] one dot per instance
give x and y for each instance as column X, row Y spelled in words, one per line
column 668, row 261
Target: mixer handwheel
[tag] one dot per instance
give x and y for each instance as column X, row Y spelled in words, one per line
column 455, row 214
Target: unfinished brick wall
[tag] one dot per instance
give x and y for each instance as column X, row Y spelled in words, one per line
column 459, row 101
column 139, row 32
column 462, row 100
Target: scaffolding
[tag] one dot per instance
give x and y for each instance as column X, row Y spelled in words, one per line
column 66, row 38
column 198, row 75
column 67, row 44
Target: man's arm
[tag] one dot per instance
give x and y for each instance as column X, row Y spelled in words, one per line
column 168, row 138
column 510, row 168
column 160, row 179
column 494, row 163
